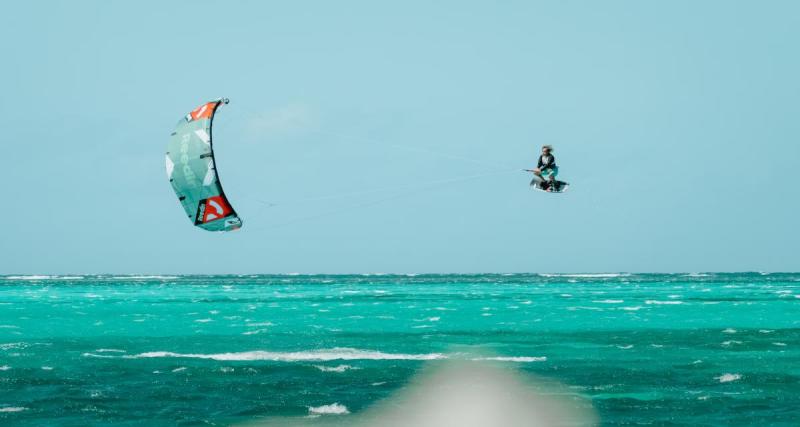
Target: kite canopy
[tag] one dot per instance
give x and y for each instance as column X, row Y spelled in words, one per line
column 192, row 171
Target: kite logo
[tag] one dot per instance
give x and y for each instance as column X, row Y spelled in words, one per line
column 211, row 209
column 204, row 111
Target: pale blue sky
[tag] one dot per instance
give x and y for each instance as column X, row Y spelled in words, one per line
column 676, row 122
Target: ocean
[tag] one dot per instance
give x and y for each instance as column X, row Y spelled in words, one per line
column 652, row 349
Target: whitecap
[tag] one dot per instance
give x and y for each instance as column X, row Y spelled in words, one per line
column 332, row 409
column 729, row 331
column 656, row 302
column 726, row 378
column 13, row 409
column 586, row 275
column 298, row 356
column 519, row 359
column 609, row 301
column 337, row 369
column 4, row 368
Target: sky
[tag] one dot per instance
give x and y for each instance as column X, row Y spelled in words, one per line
column 367, row 137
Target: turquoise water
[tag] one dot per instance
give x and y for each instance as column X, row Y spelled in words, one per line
column 213, row 350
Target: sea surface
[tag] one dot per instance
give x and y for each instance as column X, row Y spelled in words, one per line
column 643, row 349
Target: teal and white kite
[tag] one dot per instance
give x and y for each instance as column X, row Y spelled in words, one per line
column 192, row 171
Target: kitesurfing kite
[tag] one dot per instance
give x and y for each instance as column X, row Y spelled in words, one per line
column 192, row 171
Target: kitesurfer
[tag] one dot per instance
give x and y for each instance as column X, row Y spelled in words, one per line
column 546, row 168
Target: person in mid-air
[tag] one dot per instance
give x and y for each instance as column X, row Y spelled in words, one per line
column 546, row 169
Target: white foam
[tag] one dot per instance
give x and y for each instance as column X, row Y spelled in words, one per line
column 609, row 301
column 656, row 302
column 109, row 350
column 298, row 356
column 332, row 409
column 47, row 368
column 779, row 344
column 634, row 308
column 14, row 346
column 337, row 369
column 625, row 347
column 586, row 275
column 204, row 320
column 140, row 277
column 519, row 359
column 730, row 342
column 261, row 324
column 726, row 378
column 729, row 331
column 4, row 368
column 182, row 368
column 13, row 409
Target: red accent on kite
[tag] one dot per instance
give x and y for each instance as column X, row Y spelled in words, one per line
column 216, row 207
column 204, row 111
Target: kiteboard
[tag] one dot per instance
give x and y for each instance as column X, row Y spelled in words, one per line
column 547, row 186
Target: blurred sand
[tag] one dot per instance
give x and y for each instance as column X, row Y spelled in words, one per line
column 464, row 394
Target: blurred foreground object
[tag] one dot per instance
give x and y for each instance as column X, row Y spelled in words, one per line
column 464, row 394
